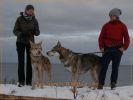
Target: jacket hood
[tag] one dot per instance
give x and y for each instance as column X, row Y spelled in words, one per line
column 26, row 17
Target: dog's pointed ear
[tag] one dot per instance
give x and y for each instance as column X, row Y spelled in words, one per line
column 59, row 44
column 31, row 43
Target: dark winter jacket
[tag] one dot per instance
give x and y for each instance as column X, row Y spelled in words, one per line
column 25, row 29
column 114, row 33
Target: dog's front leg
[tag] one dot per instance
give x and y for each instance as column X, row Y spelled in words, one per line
column 34, row 77
column 75, row 77
column 41, row 78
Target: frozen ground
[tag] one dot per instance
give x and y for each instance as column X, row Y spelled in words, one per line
column 121, row 93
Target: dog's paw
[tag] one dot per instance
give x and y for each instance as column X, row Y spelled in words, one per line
column 41, row 85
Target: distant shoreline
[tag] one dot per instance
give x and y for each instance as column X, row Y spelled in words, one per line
column 59, row 64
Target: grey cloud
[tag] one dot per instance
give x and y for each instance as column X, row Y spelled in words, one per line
column 76, row 23
column 65, row 16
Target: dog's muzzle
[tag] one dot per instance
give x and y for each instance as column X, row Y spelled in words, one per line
column 49, row 53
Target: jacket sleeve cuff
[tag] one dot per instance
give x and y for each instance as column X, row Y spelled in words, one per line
column 17, row 33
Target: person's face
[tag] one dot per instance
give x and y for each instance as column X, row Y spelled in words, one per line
column 30, row 12
column 112, row 18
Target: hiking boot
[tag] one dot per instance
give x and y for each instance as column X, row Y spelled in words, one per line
column 29, row 84
column 113, row 86
column 20, row 84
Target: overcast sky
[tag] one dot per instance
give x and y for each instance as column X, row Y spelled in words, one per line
column 65, row 16
column 81, row 18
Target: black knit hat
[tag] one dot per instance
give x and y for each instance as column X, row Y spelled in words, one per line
column 28, row 7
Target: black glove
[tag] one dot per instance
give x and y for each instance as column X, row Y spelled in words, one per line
column 32, row 32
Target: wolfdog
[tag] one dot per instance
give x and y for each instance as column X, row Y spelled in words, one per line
column 40, row 64
column 78, row 63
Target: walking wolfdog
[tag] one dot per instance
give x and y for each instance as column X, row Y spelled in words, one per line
column 40, row 64
column 78, row 63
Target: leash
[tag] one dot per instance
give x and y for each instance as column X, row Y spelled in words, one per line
column 98, row 52
column 103, row 52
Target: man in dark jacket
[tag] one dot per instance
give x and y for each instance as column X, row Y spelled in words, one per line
column 26, row 27
column 113, row 41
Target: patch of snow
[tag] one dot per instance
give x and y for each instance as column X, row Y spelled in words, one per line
column 121, row 93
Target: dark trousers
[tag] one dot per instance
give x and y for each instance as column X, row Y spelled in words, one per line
column 114, row 56
column 21, row 48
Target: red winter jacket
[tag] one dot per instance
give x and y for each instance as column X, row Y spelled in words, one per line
column 114, row 33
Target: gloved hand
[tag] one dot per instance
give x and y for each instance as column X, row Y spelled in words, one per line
column 102, row 50
column 121, row 49
column 32, row 32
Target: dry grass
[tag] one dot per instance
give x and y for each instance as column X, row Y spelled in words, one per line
column 10, row 97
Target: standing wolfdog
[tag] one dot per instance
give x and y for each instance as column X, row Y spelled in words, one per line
column 40, row 64
column 78, row 63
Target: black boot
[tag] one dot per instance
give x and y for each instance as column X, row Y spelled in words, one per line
column 29, row 84
column 113, row 86
column 20, row 84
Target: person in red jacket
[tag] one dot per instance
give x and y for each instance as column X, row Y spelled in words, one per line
column 113, row 41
